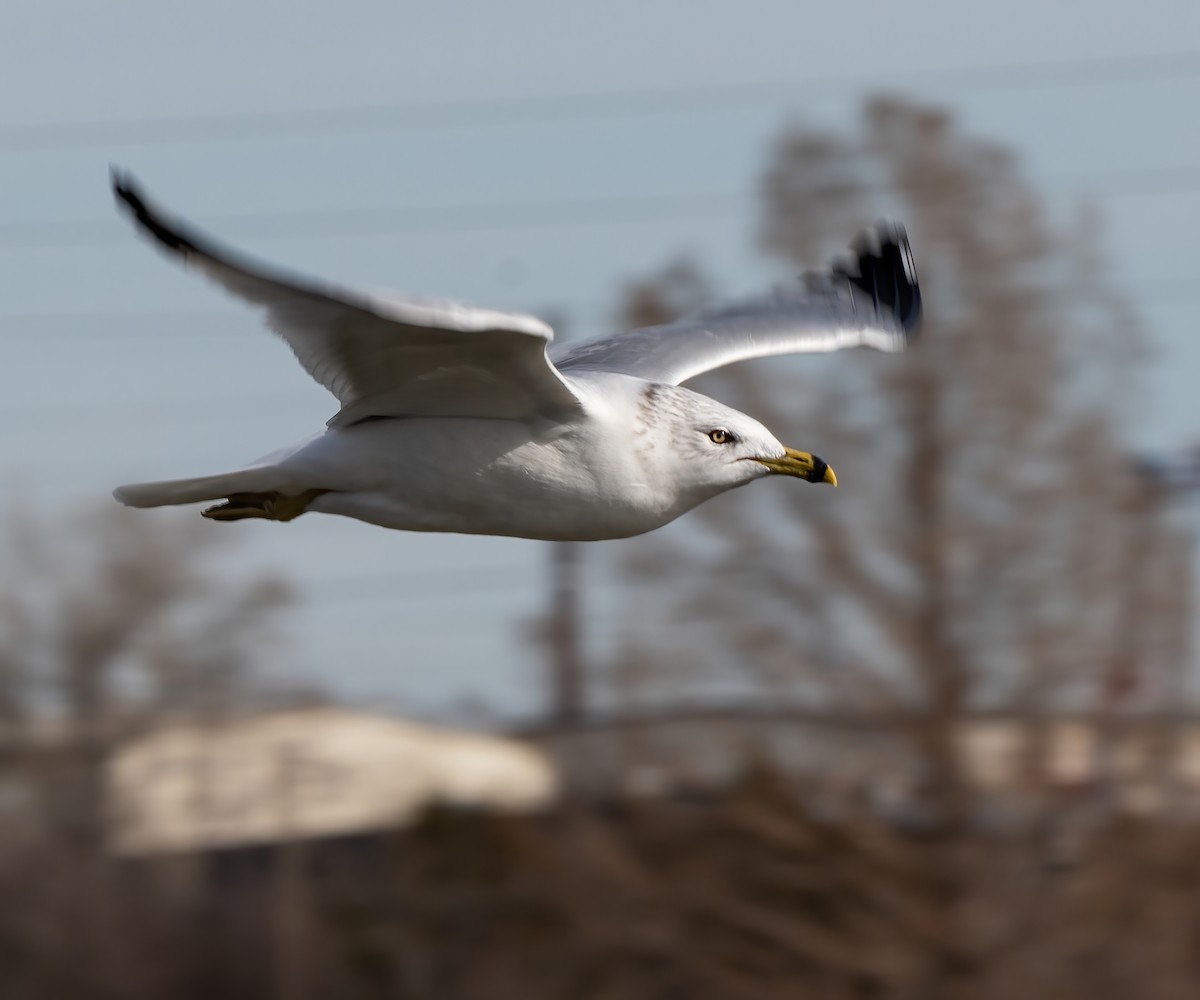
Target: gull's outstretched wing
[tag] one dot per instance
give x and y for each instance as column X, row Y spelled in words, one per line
column 380, row 355
column 870, row 299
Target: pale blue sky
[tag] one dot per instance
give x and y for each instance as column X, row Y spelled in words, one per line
column 90, row 401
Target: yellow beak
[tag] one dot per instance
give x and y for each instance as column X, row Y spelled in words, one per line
column 802, row 465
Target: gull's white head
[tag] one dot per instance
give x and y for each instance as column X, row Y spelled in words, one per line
column 707, row 448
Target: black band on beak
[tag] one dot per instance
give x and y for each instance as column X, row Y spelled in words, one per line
column 820, row 467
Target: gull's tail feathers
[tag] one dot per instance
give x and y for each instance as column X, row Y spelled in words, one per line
column 263, row 479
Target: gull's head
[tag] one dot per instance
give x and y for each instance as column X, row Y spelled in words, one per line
column 715, row 448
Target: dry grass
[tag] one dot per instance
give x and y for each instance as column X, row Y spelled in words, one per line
column 741, row 894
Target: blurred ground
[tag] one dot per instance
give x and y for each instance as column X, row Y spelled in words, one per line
column 737, row 892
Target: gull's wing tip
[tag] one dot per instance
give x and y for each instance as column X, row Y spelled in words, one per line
column 882, row 265
column 125, row 187
column 128, row 193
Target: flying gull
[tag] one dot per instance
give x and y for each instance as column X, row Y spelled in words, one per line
column 461, row 419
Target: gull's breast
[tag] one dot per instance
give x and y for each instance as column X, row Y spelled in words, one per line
column 487, row 477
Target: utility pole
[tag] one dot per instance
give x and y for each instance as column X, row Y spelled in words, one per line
column 1158, row 481
column 566, row 681
column 1167, row 480
column 564, row 633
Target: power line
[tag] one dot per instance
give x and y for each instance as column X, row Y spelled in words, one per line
column 1150, row 182
column 415, row 219
column 216, row 411
column 161, row 324
column 570, row 108
column 432, row 583
column 219, row 410
column 526, row 215
column 244, row 322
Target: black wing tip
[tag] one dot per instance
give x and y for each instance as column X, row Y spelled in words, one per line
column 128, row 191
column 883, row 259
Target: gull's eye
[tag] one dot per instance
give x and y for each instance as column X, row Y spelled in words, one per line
column 721, row 436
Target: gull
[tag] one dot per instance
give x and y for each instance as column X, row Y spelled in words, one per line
column 469, row 420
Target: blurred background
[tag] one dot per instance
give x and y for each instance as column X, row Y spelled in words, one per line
column 932, row 735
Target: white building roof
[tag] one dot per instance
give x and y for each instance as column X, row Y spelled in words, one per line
column 307, row 773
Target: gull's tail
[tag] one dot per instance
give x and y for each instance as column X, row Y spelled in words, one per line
column 249, row 493
column 263, row 479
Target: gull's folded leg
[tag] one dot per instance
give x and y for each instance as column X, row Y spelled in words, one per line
column 271, row 506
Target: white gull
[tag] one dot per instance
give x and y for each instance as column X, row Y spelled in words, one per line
column 470, row 420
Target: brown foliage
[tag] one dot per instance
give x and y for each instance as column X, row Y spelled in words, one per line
column 742, row 894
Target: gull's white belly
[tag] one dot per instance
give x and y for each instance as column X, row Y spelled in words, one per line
column 486, row 477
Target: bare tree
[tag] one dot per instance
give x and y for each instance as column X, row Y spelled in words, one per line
column 107, row 623
column 675, row 289
column 976, row 555
column 970, row 556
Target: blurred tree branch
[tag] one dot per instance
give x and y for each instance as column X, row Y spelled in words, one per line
column 109, row 622
column 970, row 555
column 977, row 554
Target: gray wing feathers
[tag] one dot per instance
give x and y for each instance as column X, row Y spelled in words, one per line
column 871, row 299
column 380, row 355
